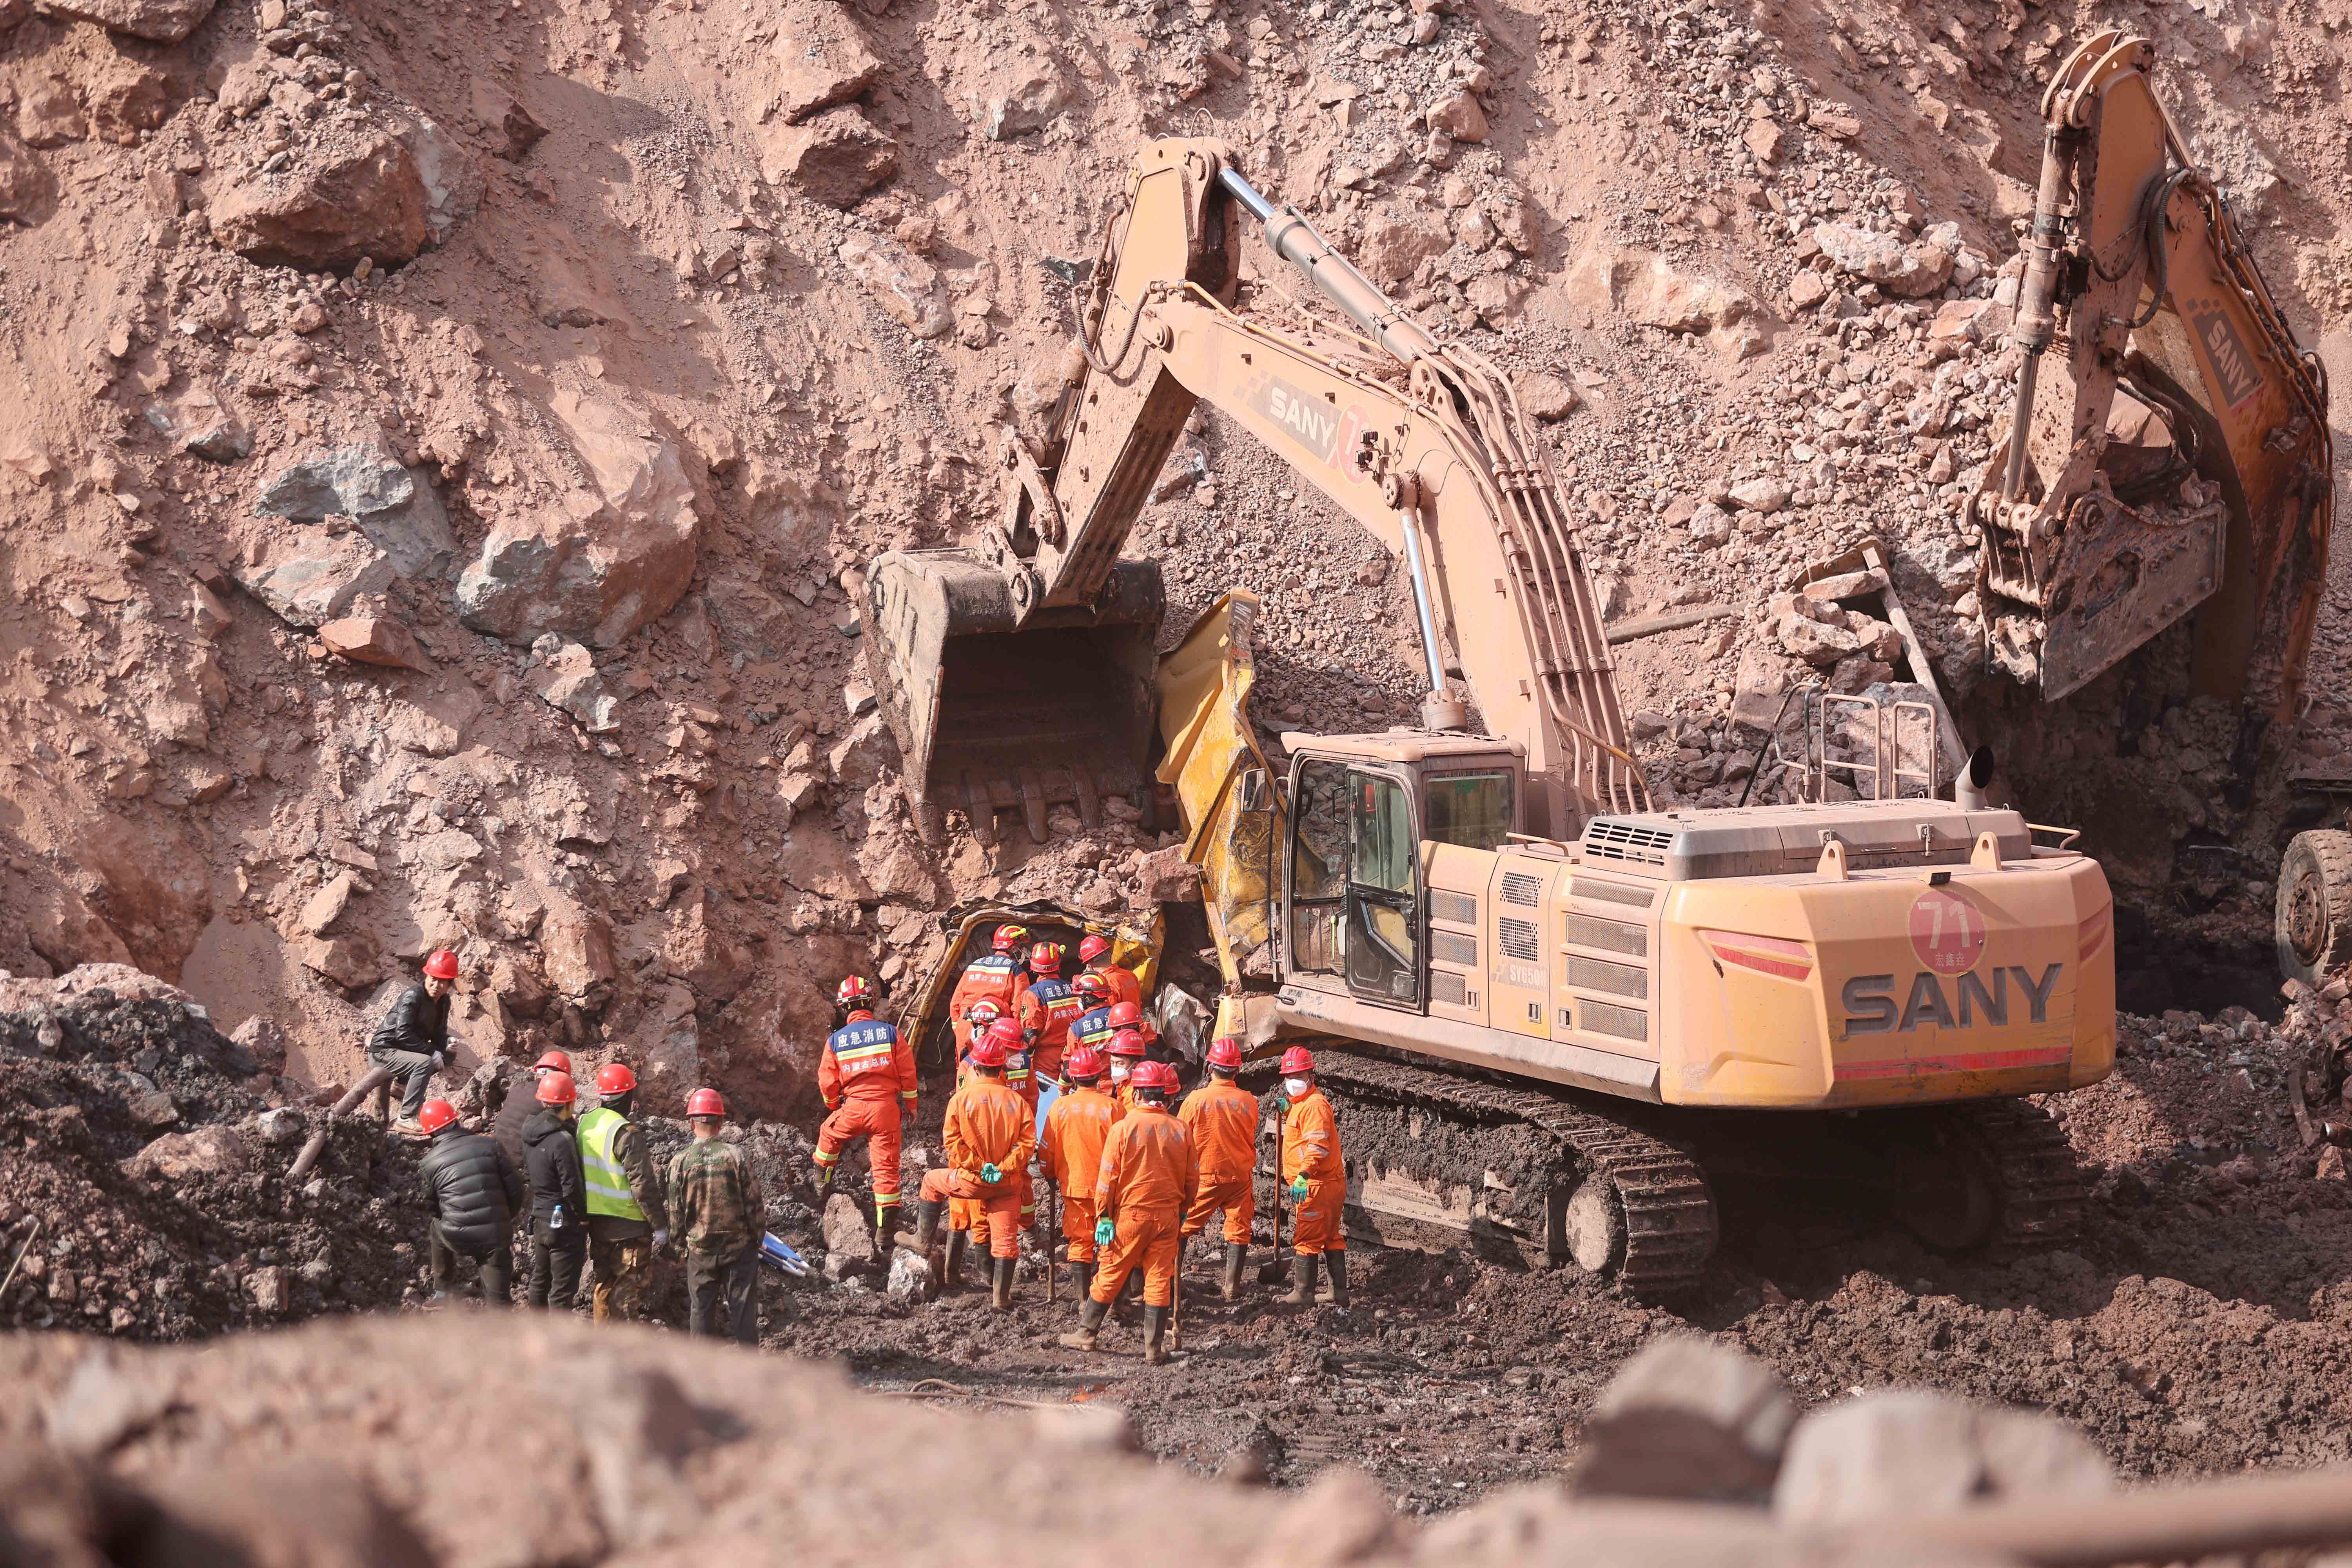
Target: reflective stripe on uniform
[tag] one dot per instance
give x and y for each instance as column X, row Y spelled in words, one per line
column 608, row 1184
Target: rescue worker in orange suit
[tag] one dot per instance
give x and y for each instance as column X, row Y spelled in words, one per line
column 1148, row 1179
column 1021, row 1077
column 975, row 1022
column 1317, row 1182
column 1127, row 1015
column 1092, row 1026
column 998, row 976
column 1126, row 1053
column 867, row 1076
column 1222, row 1117
column 991, row 1134
column 1071, row 1148
column 1095, row 953
column 1053, row 1007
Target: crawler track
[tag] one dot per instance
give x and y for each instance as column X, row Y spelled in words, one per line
column 2040, row 1187
column 1669, row 1209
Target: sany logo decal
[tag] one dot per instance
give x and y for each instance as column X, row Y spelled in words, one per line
column 1309, row 420
column 1947, row 932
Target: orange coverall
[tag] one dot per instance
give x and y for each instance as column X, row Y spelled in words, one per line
column 1147, row 1182
column 867, row 1073
column 996, row 977
column 989, row 1124
column 1311, row 1148
column 1076, row 1129
column 1057, row 1007
column 1124, row 985
column 1222, row 1117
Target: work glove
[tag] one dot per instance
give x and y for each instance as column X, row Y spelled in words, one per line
column 1104, row 1231
column 439, row 1061
column 661, row 1240
column 1298, row 1188
column 991, row 1174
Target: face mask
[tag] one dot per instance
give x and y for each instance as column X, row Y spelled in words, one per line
column 1118, row 1071
column 1294, row 1087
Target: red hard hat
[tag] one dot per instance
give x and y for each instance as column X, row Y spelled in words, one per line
column 441, row 965
column 553, row 1061
column 984, row 1012
column 1009, row 937
column 614, row 1077
column 987, row 1051
column 1092, row 948
column 1006, row 1032
column 435, row 1114
column 1126, row 1016
column 1046, row 958
column 1127, row 1043
column 704, row 1102
column 1297, row 1059
column 1084, row 1062
column 1091, row 984
column 1226, row 1053
column 1154, row 1075
column 851, row 990
column 556, row 1089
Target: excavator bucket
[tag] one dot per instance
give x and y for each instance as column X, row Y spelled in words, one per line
column 990, row 718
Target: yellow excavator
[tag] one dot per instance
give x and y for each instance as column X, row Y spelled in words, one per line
column 1562, row 1021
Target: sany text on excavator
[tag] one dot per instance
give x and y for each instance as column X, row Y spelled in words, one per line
column 1552, row 1013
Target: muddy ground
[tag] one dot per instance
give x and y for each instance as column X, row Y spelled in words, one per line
column 2204, row 1324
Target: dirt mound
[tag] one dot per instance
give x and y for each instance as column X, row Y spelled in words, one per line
column 153, row 1174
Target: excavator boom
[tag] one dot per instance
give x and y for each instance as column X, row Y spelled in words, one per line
column 2182, row 464
column 1015, row 671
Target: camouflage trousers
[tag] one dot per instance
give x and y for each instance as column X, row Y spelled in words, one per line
column 624, row 1269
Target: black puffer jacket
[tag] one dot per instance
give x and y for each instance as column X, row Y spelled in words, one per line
column 416, row 1023
column 472, row 1188
column 550, row 1148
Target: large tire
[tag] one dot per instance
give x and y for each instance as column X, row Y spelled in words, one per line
column 2314, row 906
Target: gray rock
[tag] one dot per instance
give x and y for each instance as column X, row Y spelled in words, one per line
column 1687, row 1418
column 271, row 1287
column 263, row 1041
column 102, row 1404
column 1766, row 496
column 394, row 506
column 281, row 1127
column 859, row 757
column 1912, row 1451
column 910, row 1278
column 848, row 1234
column 453, row 185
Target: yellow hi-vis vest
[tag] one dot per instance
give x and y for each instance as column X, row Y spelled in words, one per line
column 608, row 1184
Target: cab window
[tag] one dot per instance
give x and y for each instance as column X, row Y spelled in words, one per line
column 1473, row 810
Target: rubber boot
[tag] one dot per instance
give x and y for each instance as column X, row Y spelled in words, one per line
column 1236, row 1256
column 1082, row 1280
column 1306, row 1274
column 1155, row 1336
column 1130, row 1293
column 886, row 1233
column 1090, row 1318
column 824, row 1181
column 927, row 1226
column 1336, row 1264
column 1000, row 1284
column 952, row 1271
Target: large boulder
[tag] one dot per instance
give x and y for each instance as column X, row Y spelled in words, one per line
column 834, row 158
column 1395, row 246
column 565, row 677
column 1020, row 87
column 1652, row 292
column 821, row 58
column 608, row 561
column 330, row 209
column 908, row 286
column 163, row 21
column 1907, row 269
column 24, row 181
column 395, row 506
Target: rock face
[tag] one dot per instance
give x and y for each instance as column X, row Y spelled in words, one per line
column 836, row 158
column 821, row 58
column 365, row 202
column 161, row 21
column 612, row 558
column 907, row 285
column 24, row 181
column 307, row 575
column 394, row 506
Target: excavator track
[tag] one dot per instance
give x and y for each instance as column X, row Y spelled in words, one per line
column 2039, row 1186
column 1667, row 1209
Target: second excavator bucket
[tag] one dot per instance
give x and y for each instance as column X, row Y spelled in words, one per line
column 990, row 718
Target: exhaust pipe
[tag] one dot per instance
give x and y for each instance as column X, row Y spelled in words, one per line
column 1972, row 788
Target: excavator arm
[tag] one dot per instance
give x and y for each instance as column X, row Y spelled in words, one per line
column 1433, row 457
column 2183, row 462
